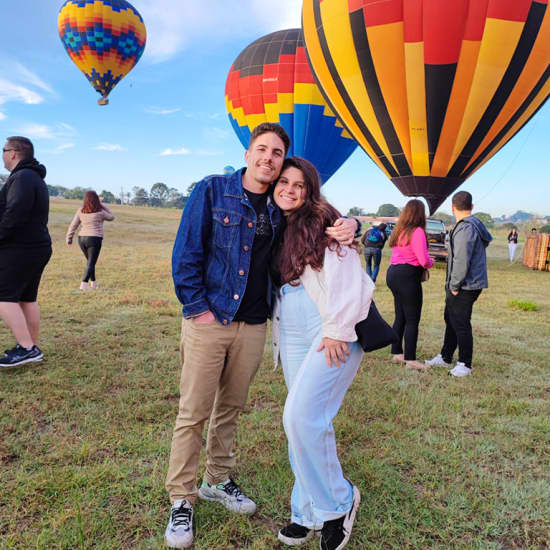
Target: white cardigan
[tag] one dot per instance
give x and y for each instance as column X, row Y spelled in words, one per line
column 342, row 291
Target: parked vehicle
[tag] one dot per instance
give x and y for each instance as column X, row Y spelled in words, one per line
column 437, row 239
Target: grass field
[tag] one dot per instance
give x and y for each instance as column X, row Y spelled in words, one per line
column 442, row 463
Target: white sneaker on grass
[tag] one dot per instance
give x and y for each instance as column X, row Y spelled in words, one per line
column 460, row 370
column 229, row 494
column 179, row 532
column 437, row 361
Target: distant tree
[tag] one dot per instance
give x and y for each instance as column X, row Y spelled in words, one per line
column 141, row 197
column 158, row 194
column 509, row 226
column 447, row 219
column 52, row 190
column 191, row 187
column 544, row 229
column 176, row 199
column 76, row 193
column 387, row 210
column 485, row 218
column 356, row 211
column 3, row 178
column 108, row 197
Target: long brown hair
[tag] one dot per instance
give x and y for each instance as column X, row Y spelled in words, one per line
column 91, row 203
column 412, row 216
column 304, row 239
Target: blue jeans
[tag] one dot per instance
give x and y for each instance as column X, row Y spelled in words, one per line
column 315, row 394
column 373, row 255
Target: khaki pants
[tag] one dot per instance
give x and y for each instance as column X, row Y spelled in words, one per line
column 219, row 363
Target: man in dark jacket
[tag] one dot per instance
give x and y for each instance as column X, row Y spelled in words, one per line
column 374, row 240
column 466, row 278
column 25, row 248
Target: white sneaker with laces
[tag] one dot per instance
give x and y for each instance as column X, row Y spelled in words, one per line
column 179, row 532
column 229, row 494
column 460, row 370
column 437, row 361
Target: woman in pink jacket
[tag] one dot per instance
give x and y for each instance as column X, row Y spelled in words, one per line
column 408, row 261
column 91, row 216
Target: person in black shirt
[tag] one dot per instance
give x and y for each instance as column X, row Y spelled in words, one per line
column 25, row 248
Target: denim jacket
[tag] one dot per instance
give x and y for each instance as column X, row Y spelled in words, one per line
column 213, row 247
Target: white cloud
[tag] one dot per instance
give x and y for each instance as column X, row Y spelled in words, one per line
column 30, row 78
column 2, row 116
column 170, row 151
column 110, row 147
column 41, row 131
column 206, row 153
column 173, row 25
column 15, row 92
column 161, row 111
column 64, row 147
column 218, row 134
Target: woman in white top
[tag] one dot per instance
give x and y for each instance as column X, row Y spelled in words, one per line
column 91, row 216
column 324, row 292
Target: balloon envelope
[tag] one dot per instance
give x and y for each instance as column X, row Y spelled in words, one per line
column 430, row 89
column 228, row 170
column 104, row 38
column 271, row 81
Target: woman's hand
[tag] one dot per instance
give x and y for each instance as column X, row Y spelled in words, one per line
column 336, row 351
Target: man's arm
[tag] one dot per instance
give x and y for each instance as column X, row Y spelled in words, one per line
column 344, row 230
column 191, row 251
column 19, row 202
column 463, row 245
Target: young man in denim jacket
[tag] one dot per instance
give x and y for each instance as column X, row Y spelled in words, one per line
column 220, row 269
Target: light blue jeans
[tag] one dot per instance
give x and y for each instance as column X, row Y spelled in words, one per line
column 315, row 394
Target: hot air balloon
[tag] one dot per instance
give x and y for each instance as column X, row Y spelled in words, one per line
column 271, row 81
column 104, row 38
column 228, row 170
column 431, row 90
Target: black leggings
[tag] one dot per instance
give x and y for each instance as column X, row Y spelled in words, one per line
column 91, row 247
column 404, row 282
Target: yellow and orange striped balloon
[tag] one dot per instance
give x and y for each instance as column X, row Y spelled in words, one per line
column 430, row 89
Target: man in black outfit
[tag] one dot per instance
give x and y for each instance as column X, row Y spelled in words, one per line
column 25, row 248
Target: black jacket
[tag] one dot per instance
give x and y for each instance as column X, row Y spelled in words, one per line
column 24, row 207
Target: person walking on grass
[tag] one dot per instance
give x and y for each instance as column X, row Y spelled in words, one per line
column 91, row 216
column 512, row 243
column 323, row 292
column 466, row 278
column 25, row 248
column 220, row 271
column 409, row 261
column 373, row 241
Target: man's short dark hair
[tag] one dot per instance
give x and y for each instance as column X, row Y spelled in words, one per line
column 462, row 201
column 22, row 145
column 265, row 128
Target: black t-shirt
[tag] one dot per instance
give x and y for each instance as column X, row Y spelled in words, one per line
column 253, row 308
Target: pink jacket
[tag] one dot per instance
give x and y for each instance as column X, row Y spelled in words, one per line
column 414, row 253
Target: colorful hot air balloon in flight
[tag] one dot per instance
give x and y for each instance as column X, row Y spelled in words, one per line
column 271, row 81
column 228, row 170
column 104, row 38
column 430, row 89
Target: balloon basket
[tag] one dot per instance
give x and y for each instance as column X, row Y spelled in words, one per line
column 103, row 101
column 536, row 253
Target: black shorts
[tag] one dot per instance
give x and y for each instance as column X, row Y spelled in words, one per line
column 20, row 272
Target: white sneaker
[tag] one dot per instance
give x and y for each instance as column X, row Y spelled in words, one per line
column 229, row 494
column 461, row 370
column 437, row 361
column 179, row 532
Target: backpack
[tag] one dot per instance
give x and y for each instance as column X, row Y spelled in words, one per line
column 375, row 236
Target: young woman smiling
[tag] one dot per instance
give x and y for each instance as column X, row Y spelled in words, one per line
column 323, row 292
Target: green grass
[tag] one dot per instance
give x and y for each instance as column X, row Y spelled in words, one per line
column 442, row 463
column 523, row 305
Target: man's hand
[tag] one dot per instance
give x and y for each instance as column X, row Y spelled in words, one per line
column 335, row 351
column 206, row 318
column 454, row 292
column 343, row 230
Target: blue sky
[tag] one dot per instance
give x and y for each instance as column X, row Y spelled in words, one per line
column 167, row 121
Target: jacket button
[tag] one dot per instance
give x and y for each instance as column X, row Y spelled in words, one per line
column 250, row 224
column 245, row 248
column 236, row 297
column 241, row 272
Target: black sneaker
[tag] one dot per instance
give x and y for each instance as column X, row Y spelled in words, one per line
column 294, row 534
column 19, row 356
column 336, row 532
